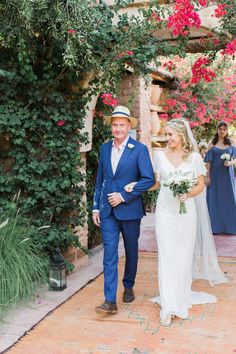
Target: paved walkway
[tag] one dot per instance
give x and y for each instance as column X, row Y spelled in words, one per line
column 74, row 327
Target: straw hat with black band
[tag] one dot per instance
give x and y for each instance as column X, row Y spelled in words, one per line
column 121, row 112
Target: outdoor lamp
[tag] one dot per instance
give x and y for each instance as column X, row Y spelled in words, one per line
column 57, row 272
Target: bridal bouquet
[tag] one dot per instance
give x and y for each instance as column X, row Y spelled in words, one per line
column 180, row 183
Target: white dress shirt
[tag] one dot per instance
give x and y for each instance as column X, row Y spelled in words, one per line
column 116, row 153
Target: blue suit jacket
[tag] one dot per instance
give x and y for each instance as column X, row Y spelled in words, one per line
column 134, row 166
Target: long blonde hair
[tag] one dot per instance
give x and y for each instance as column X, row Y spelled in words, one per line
column 180, row 127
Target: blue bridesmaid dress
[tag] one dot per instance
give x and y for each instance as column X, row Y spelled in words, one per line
column 221, row 194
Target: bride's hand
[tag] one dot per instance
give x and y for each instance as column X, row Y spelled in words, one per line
column 129, row 187
column 183, row 197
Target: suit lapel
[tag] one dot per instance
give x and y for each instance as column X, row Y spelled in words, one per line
column 108, row 158
column 124, row 157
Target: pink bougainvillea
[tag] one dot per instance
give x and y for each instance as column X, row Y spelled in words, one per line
column 126, row 53
column 97, row 113
column 169, row 65
column 201, row 112
column 230, row 48
column 171, row 102
column 220, row 11
column 201, row 72
column 201, row 99
column 60, row 123
column 202, row 2
column 100, row 114
column 163, row 116
column 183, row 18
column 109, row 100
column 216, row 41
column 183, row 84
column 71, row 31
column 155, row 16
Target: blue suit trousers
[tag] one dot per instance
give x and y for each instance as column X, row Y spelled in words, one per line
column 111, row 228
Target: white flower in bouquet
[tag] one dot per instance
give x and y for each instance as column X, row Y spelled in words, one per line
column 180, row 183
column 203, row 144
column 225, row 156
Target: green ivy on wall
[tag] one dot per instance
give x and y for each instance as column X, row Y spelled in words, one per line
column 54, row 56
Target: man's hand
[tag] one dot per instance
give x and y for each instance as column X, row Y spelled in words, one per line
column 96, row 218
column 114, row 199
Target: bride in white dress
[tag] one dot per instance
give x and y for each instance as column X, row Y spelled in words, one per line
column 186, row 247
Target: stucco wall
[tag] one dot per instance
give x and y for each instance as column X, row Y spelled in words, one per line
column 137, row 97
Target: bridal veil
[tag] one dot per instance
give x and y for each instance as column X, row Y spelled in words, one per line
column 205, row 262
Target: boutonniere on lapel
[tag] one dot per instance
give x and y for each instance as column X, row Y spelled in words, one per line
column 130, row 146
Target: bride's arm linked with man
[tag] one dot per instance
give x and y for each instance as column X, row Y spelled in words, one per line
column 186, row 249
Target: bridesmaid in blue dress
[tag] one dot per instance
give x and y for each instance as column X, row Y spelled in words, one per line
column 221, row 190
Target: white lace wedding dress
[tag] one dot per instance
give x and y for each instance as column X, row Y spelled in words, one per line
column 176, row 237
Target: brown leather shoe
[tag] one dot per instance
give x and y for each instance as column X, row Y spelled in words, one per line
column 128, row 295
column 107, row 308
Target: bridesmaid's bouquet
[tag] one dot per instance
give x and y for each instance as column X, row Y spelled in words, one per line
column 180, row 183
column 225, row 157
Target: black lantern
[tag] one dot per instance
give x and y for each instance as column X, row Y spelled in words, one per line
column 57, row 272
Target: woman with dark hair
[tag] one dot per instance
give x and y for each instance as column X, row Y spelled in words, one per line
column 221, row 190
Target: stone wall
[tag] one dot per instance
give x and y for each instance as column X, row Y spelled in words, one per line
column 137, row 96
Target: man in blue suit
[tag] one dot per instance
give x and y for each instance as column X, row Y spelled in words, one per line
column 122, row 160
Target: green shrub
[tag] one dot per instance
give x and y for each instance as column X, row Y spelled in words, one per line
column 23, row 267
